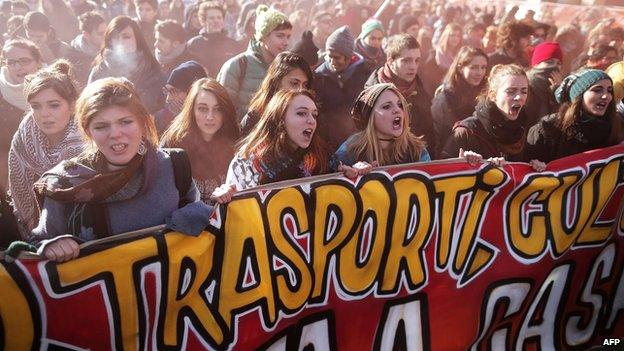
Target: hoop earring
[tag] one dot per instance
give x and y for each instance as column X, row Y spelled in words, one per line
column 142, row 148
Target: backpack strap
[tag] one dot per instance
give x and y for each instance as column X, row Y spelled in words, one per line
column 242, row 67
column 181, row 172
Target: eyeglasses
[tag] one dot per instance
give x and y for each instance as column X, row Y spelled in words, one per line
column 24, row 61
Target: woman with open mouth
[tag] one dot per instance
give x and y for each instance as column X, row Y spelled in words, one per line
column 47, row 135
column 121, row 182
column 496, row 128
column 586, row 119
column 283, row 145
column 384, row 136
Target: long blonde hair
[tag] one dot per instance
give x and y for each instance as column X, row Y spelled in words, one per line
column 406, row 148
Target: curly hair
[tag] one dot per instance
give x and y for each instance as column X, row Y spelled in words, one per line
column 510, row 33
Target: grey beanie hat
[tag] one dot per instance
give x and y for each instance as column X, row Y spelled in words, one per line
column 341, row 41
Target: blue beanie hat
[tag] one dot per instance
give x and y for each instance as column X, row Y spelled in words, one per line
column 576, row 84
column 369, row 26
column 183, row 76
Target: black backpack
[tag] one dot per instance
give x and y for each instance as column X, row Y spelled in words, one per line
column 181, row 172
column 8, row 224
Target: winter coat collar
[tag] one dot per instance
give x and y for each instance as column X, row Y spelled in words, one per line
column 356, row 61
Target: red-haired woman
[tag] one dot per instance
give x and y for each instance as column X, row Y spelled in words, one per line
column 284, row 145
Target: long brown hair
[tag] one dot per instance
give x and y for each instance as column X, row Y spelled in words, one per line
column 366, row 144
column 268, row 141
column 284, row 63
column 444, row 38
column 115, row 26
column 184, row 123
column 570, row 113
column 465, row 55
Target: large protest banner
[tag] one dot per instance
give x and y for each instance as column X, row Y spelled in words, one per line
column 440, row 256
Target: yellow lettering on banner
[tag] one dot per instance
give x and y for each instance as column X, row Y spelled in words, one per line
column 197, row 249
column 244, row 224
column 357, row 275
column 559, row 208
column 125, row 257
column 292, row 297
column 481, row 258
column 531, row 243
column 15, row 315
column 412, row 195
column 606, row 185
column 449, row 190
column 492, row 178
column 330, row 198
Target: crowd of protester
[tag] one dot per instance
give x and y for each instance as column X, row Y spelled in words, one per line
column 118, row 115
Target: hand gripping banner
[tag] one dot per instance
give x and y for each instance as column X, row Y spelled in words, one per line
column 437, row 256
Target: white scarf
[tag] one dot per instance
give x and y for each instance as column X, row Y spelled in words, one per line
column 167, row 59
column 12, row 93
column 30, row 156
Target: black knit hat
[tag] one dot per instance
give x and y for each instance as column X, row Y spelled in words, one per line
column 183, row 76
column 363, row 107
column 306, row 48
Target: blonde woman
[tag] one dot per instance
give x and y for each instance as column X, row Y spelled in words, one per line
column 384, row 137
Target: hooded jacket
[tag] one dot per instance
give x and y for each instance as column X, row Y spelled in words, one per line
column 336, row 93
column 242, row 75
column 541, row 100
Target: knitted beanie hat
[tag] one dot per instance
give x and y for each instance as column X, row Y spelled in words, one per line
column 576, row 84
column 546, row 51
column 407, row 21
column 370, row 25
column 183, row 76
column 363, row 107
column 306, row 48
column 616, row 72
column 267, row 19
column 341, row 41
